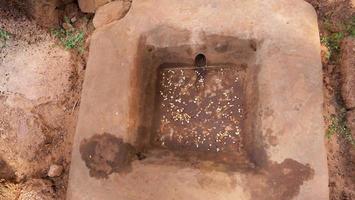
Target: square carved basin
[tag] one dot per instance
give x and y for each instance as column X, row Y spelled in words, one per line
column 198, row 113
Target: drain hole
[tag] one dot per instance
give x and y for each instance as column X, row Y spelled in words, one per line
column 200, row 60
column 140, row 156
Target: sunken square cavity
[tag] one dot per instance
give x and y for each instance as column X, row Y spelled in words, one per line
column 197, row 112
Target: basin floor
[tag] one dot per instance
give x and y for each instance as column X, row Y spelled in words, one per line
column 200, row 109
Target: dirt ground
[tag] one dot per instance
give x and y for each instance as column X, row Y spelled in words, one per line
column 40, row 89
column 332, row 14
column 40, row 96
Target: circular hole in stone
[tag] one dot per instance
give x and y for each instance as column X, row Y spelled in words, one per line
column 150, row 48
column 200, row 60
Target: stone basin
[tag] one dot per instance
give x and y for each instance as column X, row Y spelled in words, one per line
column 245, row 124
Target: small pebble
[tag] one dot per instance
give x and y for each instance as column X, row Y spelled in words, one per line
column 55, row 170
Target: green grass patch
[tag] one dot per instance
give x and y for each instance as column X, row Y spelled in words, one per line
column 4, row 37
column 332, row 39
column 332, row 42
column 339, row 126
column 70, row 38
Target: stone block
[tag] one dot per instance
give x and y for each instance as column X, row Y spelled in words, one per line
column 279, row 150
column 110, row 12
column 90, row 6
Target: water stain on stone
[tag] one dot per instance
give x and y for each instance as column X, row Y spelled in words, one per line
column 281, row 181
column 105, row 154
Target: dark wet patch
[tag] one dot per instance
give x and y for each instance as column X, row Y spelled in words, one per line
column 106, row 154
column 287, row 178
column 280, row 181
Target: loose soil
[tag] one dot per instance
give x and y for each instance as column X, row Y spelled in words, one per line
column 39, row 100
column 332, row 15
column 40, row 89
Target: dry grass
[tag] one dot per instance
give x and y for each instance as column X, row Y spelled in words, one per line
column 9, row 191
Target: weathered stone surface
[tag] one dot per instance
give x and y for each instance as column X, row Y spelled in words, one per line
column 110, row 12
column 90, row 6
column 348, row 72
column 284, row 125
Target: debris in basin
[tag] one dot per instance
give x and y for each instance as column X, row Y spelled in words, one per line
column 209, row 118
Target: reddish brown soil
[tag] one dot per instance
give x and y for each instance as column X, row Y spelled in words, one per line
column 331, row 16
column 39, row 101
